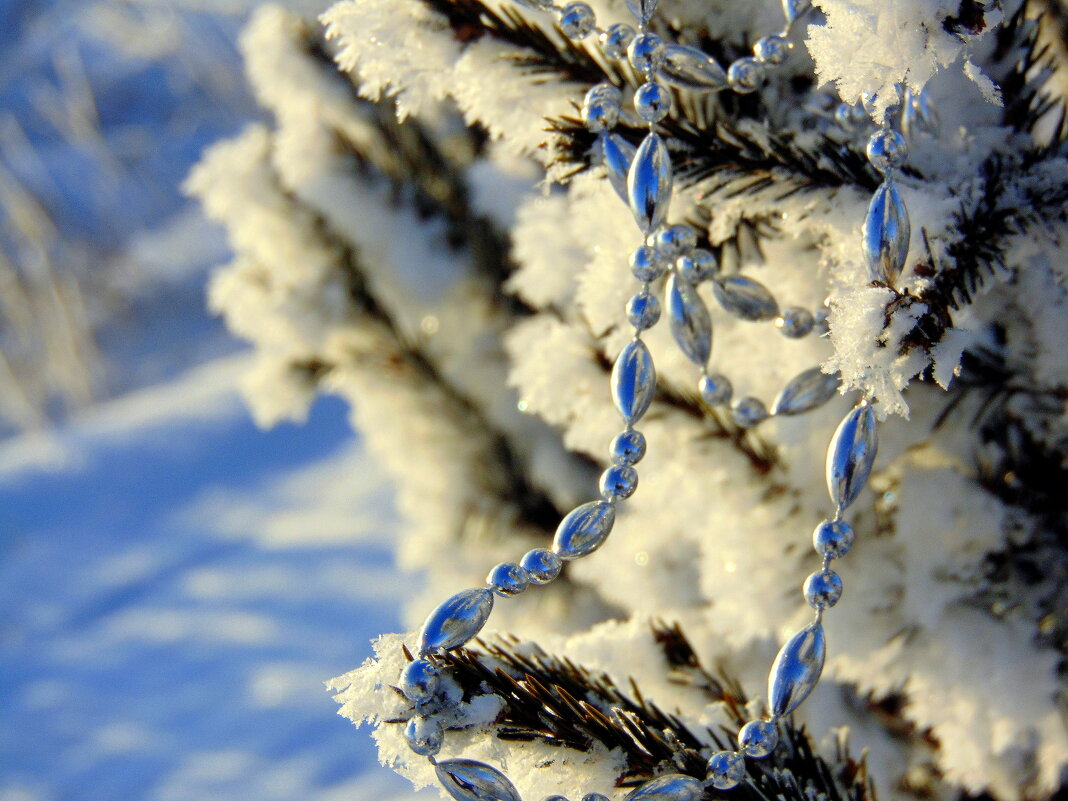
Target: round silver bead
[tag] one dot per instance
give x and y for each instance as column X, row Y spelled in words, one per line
column 748, row 412
column 507, row 579
column 823, row 589
column 577, row 20
column 542, row 565
column 887, row 150
column 646, row 53
column 758, row 738
column 851, row 115
column 646, row 264
column 600, row 116
column 643, row 310
column 843, row 115
column 868, row 101
column 652, row 101
column 715, row 389
column 419, row 681
column 821, row 320
column 616, row 39
column 746, row 75
column 697, row 266
column 601, row 107
column 424, row 735
column 604, row 91
column 772, row 50
column 618, row 481
column 795, row 322
column 628, row 447
column 726, row 769
column 672, row 241
column 833, row 538
column 595, row 797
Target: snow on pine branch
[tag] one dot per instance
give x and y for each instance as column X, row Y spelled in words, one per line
column 374, row 260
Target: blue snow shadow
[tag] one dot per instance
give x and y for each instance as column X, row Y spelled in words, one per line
column 155, row 645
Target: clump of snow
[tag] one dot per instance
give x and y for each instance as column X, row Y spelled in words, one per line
column 716, row 537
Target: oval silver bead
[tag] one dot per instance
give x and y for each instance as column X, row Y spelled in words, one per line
column 584, row 530
column 792, row 9
column 642, row 9
column 616, row 155
column 850, row 455
column 468, row 780
column 796, row 669
column 457, row 620
column 670, row 787
column 806, row 391
column 745, row 298
column 633, row 381
column 886, row 234
column 688, row 317
column 689, row 68
column 649, row 183
column 918, row 114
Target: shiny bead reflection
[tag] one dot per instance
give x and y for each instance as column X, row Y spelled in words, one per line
column 758, row 738
column 851, row 455
column 772, row 50
column 688, row 317
column 690, row 68
column 745, row 75
column 887, row 149
column 745, row 297
column 833, row 538
column 715, row 389
column 584, row 530
column 726, row 769
column 671, row 241
column 886, row 234
column 649, row 183
column 646, row 53
column 469, row 780
column 795, row 322
column 457, row 620
column 652, row 102
column 823, row 589
column 669, row 787
column 616, row 39
column 646, row 264
column 633, row 381
column 577, row 20
column 425, row 736
column 699, row 265
column 542, row 565
column 601, row 108
column 643, row 310
column 628, row 447
column 507, row 579
column 618, row 481
column 419, row 681
column 796, row 669
column 748, row 412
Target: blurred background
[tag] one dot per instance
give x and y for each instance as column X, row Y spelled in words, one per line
column 175, row 583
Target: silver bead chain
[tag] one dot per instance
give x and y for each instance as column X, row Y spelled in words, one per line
column 643, row 178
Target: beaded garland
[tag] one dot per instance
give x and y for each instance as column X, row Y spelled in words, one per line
column 643, row 178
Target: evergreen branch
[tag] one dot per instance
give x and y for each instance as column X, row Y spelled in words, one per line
column 551, row 699
column 1015, row 198
column 712, row 137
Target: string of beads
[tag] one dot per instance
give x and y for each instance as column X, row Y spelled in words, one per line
column 643, row 177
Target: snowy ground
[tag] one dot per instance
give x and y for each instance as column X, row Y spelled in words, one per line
column 175, row 585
